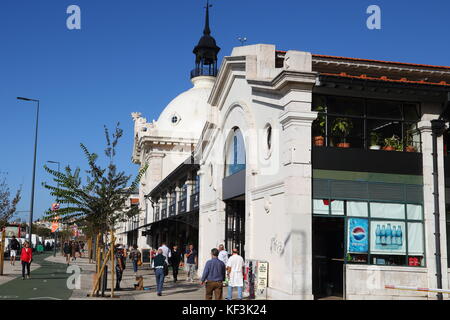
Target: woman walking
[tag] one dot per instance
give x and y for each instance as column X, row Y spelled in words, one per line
column 159, row 264
column 26, row 257
column 67, row 251
column 135, row 257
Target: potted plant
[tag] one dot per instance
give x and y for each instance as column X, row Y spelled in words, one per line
column 341, row 127
column 410, row 142
column 392, row 144
column 374, row 141
column 318, row 128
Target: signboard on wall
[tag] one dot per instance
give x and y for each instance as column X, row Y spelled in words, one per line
column 358, row 235
column 255, row 279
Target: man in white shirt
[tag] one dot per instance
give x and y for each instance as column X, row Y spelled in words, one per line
column 165, row 251
column 223, row 256
column 235, row 271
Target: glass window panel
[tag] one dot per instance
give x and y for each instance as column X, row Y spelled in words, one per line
column 385, row 129
column 321, row 206
column 387, row 210
column 346, row 130
column 337, row 208
column 235, row 159
column 412, row 137
column 411, row 111
column 415, row 238
column 345, row 106
column 384, row 109
column 357, row 209
column 414, row 212
column 387, row 237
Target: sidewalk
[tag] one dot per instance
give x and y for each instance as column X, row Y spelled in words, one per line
column 11, row 272
column 181, row 290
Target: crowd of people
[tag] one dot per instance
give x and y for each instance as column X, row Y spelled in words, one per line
column 73, row 249
column 220, row 271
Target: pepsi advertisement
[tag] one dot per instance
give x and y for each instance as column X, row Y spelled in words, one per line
column 358, row 231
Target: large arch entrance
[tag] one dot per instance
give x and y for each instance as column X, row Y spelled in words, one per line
column 234, row 192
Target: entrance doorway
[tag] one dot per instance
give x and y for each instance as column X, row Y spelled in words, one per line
column 328, row 245
column 235, row 226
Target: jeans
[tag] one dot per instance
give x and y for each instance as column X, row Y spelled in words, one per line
column 159, row 273
column 230, row 293
column 25, row 265
column 191, row 271
column 135, row 266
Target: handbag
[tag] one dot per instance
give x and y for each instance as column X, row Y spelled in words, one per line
column 166, row 269
column 139, row 262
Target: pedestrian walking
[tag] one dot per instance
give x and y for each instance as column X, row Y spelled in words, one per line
column 223, row 256
column 135, row 257
column 165, row 251
column 191, row 262
column 77, row 250
column 213, row 276
column 67, row 249
column 175, row 261
column 159, row 264
column 235, row 271
column 26, row 257
column 14, row 246
column 119, row 266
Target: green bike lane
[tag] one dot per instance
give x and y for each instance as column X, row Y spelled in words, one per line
column 48, row 282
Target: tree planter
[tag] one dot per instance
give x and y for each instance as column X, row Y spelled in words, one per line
column 389, row 148
column 343, row 145
column 411, row 149
column 319, row 141
column 375, row 147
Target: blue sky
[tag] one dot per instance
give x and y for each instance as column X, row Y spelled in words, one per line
column 136, row 55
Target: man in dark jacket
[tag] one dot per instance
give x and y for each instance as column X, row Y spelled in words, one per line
column 159, row 264
column 175, row 260
column 14, row 247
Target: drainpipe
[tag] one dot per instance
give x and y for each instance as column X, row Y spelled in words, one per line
column 437, row 128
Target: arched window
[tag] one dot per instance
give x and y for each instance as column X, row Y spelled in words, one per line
column 235, row 153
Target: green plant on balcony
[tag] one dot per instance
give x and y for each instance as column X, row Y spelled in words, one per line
column 393, row 144
column 341, row 128
column 319, row 127
column 375, row 141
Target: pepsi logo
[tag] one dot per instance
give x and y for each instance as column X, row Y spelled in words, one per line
column 359, row 233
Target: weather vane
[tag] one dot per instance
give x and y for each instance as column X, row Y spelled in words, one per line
column 242, row 40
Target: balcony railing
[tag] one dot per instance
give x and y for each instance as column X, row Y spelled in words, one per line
column 205, row 71
column 194, row 201
column 182, row 206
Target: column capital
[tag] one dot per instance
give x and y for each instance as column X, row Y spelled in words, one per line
column 289, row 118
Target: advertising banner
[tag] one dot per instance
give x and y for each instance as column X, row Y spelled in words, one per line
column 358, row 235
column 12, row 231
column 387, row 237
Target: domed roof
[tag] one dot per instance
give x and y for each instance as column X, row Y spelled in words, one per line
column 185, row 116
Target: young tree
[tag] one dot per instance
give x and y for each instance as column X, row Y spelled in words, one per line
column 8, row 206
column 99, row 201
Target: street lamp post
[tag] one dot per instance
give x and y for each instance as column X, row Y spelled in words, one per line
column 57, row 200
column 34, row 166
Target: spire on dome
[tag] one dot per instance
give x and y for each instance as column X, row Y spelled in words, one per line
column 206, row 51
